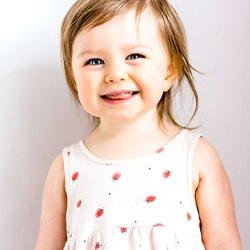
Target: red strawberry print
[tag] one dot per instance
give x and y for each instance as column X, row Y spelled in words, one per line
column 99, row 212
column 116, row 176
column 166, row 174
column 188, row 215
column 124, row 229
column 158, row 225
column 150, row 198
column 79, row 203
column 159, row 150
column 97, row 245
column 68, row 153
column 75, row 176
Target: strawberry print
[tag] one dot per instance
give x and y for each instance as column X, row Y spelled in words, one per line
column 188, row 215
column 68, row 153
column 79, row 203
column 116, row 176
column 158, row 225
column 99, row 212
column 75, row 176
column 123, row 229
column 97, row 245
column 166, row 174
column 159, row 150
column 150, row 198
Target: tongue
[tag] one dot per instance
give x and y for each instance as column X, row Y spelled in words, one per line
column 119, row 96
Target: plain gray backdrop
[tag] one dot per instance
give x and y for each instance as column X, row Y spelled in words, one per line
column 38, row 117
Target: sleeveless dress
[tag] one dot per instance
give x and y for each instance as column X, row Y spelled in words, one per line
column 144, row 203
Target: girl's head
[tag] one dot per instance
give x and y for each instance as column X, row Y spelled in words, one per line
column 87, row 14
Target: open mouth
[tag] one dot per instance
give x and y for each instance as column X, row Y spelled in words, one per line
column 120, row 95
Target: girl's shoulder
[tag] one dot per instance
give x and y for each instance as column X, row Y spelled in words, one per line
column 206, row 158
column 206, row 162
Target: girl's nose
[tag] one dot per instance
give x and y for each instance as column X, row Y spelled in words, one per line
column 116, row 73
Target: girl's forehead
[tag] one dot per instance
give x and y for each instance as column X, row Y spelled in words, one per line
column 127, row 26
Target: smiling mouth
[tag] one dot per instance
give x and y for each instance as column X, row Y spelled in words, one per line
column 119, row 95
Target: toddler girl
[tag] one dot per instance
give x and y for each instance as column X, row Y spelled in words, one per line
column 140, row 180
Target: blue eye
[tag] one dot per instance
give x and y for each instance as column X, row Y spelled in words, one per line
column 95, row 61
column 135, row 56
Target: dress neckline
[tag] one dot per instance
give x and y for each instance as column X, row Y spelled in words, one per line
column 87, row 153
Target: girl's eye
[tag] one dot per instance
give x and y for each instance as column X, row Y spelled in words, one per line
column 95, row 61
column 135, row 56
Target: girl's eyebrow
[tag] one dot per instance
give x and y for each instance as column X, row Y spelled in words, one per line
column 88, row 51
column 138, row 46
column 126, row 47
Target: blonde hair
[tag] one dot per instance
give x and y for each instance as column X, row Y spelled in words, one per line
column 91, row 13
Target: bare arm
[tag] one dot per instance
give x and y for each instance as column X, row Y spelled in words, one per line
column 215, row 201
column 52, row 235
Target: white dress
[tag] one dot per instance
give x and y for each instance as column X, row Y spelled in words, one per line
column 141, row 203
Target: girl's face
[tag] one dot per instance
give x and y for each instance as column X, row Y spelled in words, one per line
column 121, row 68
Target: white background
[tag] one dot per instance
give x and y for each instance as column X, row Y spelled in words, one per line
column 38, row 117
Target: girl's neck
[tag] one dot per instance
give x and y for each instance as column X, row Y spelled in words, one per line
column 113, row 140
column 137, row 128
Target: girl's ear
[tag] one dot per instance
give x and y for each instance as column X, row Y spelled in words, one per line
column 170, row 78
